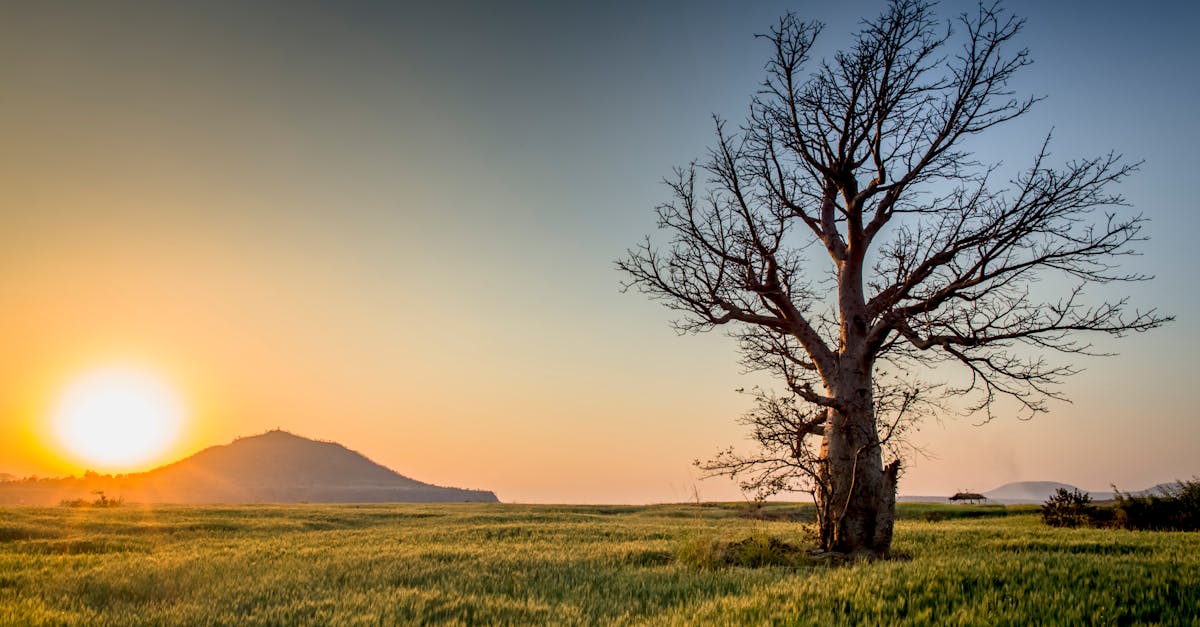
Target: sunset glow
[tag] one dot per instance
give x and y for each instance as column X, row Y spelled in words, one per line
column 116, row 418
column 403, row 239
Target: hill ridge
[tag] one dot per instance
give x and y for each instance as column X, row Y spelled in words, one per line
column 1037, row 492
column 271, row 467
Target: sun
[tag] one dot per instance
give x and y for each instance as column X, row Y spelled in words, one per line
column 117, row 417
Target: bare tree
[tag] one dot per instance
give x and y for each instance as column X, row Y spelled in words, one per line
column 863, row 163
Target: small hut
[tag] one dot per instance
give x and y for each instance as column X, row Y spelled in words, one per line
column 968, row 497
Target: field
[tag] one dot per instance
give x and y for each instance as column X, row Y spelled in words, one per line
column 490, row 563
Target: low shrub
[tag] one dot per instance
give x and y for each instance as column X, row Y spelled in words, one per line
column 700, row 552
column 761, row 550
column 1175, row 508
column 756, row 551
column 1068, row 509
column 101, row 501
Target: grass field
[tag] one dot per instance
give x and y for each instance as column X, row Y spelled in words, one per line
column 488, row 564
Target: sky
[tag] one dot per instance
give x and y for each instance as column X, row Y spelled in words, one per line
column 394, row 226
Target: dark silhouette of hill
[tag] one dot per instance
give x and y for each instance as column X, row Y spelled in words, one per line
column 279, row 458
column 274, row 467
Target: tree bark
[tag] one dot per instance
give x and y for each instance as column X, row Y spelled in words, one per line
column 858, row 502
column 858, row 512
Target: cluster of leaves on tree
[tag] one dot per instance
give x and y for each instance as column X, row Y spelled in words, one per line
column 850, row 240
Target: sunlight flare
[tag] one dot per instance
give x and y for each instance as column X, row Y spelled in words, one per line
column 117, row 417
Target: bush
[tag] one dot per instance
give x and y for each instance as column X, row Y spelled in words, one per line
column 758, row 550
column 761, row 550
column 1068, row 509
column 700, row 552
column 1176, row 508
column 101, row 501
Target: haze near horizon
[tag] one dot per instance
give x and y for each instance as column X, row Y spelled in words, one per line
column 393, row 227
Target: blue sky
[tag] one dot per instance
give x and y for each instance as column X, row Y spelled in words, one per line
column 394, row 225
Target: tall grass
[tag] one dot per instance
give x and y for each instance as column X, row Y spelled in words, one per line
column 488, row 563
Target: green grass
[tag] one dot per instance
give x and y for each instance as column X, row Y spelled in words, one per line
column 489, row 564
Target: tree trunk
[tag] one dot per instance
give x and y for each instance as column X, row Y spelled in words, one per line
column 857, row 502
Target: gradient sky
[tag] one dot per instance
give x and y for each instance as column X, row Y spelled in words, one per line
column 393, row 225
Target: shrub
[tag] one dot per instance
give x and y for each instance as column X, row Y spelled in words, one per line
column 100, row 501
column 761, row 550
column 700, row 552
column 758, row 550
column 1176, row 508
column 1068, row 509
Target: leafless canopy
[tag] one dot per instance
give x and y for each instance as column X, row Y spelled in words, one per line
column 927, row 258
column 784, row 429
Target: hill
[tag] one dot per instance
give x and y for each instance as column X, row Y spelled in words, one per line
column 274, row 467
column 1026, row 491
column 1035, row 492
column 1022, row 492
column 4, row 476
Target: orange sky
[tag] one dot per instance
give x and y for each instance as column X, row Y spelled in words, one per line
column 402, row 239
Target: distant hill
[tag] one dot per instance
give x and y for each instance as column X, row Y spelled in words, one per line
column 1158, row 490
column 4, row 476
column 274, row 467
column 1020, row 492
column 1033, row 492
column 1027, row 490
